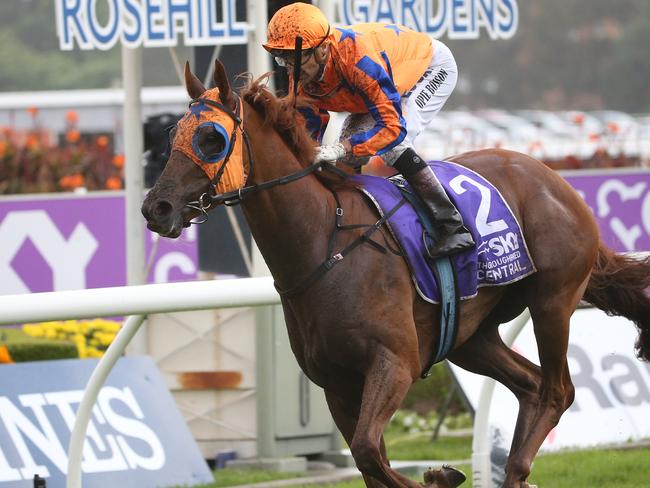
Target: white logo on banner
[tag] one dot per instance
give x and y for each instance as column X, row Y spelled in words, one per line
column 113, row 452
column 627, row 235
column 67, row 258
column 612, row 386
column 175, row 259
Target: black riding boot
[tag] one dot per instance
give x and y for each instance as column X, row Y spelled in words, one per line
column 453, row 236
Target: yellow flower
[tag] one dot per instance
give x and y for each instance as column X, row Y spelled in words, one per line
column 87, row 335
column 33, row 330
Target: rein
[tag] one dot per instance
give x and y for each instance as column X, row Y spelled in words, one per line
column 235, row 197
column 207, row 200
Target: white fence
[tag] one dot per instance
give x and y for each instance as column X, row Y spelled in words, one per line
column 138, row 301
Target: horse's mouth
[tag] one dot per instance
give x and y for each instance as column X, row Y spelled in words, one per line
column 171, row 227
column 172, row 231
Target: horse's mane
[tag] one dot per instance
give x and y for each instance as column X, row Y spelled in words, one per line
column 280, row 114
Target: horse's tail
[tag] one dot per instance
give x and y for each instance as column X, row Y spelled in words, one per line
column 617, row 286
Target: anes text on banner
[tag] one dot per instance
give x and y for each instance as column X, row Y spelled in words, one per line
column 136, row 436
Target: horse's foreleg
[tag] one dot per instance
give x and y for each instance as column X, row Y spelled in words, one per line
column 486, row 354
column 346, row 416
column 386, row 383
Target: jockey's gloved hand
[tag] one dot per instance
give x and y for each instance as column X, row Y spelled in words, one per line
column 330, row 153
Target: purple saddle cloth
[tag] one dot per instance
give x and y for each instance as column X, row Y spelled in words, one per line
column 501, row 255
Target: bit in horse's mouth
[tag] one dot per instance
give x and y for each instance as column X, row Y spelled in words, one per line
column 187, row 215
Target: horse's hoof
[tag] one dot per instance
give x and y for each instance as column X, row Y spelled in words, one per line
column 447, row 477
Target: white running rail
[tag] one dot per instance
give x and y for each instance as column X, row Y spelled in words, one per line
column 137, row 301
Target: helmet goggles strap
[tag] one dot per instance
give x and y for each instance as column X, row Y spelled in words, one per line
column 297, row 66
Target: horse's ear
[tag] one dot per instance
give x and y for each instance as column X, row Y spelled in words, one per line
column 221, row 81
column 193, row 85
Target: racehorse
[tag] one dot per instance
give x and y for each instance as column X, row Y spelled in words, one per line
column 359, row 329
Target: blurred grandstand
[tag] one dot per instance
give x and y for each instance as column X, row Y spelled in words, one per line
column 64, row 140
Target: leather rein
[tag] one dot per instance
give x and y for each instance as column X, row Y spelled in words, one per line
column 208, row 199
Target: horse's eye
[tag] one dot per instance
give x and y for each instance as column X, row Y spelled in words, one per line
column 211, row 143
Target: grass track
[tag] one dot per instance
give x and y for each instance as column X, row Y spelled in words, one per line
column 579, row 469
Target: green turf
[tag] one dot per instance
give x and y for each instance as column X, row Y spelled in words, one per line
column 420, row 447
column 10, row 334
column 606, row 468
column 580, row 469
column 233, row 477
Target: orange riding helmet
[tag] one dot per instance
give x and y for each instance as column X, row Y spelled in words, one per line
column 297, row 20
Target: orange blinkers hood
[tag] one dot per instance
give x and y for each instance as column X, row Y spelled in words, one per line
column 200, row 114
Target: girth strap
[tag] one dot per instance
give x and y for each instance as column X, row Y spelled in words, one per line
column 445, row 275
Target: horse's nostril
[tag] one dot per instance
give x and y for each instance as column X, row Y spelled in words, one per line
column 162, row 209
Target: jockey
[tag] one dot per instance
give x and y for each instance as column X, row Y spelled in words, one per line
column 391, row 79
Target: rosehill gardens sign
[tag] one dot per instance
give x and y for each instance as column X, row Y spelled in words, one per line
column 94, row 24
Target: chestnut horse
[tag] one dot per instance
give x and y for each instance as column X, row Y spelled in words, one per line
column 360, row 330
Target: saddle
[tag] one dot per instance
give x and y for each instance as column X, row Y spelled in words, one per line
column 500, row 257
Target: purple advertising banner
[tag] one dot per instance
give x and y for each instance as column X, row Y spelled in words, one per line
column 68, row 242
column 65, row 242
column 620, row 201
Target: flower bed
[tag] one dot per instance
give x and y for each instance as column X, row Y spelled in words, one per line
column 32, row 162
column 91, row 337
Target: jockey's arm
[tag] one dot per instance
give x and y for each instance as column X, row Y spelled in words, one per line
column 383, row 102
column 316, row 120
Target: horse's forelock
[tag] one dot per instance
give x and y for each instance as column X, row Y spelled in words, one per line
column 280, row 114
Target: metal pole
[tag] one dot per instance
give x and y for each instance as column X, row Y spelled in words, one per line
column 97, row 379
column 259, row 62
column 264, row 383
column 265, row 330
column 481, row 463
column 133, row 177
column 327, row 7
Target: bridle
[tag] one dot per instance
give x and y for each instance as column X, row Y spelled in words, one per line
column 207, row 199
column 231, row 198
